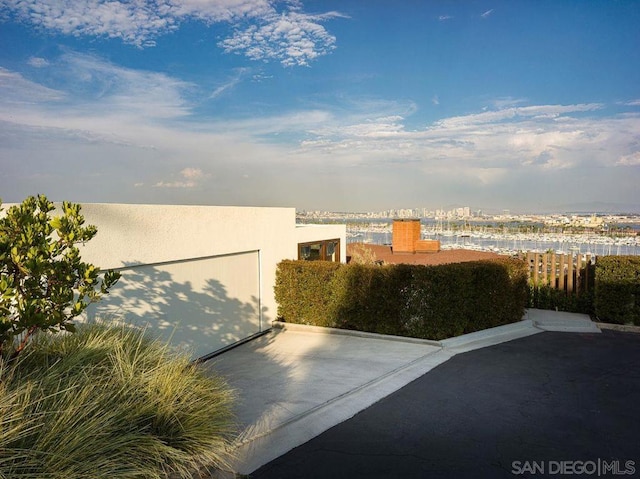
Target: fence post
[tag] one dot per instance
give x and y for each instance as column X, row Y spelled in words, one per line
column 586, row 273
column 579, row 277
column 570, row 282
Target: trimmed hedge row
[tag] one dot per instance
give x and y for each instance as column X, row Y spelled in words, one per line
column 617, row 297
column 429, row 302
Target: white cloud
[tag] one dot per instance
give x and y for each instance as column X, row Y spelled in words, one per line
column 507, row 102
column 38, row 62
column 444, row 18
column 192, row 173
column 262, row 31
column 487, row 13
column 492, row 145
column 175, row 184
column 488, row 176
column 191, row 178
column 222, row 10
column 293, row 38
column 231, row 83
column 117, row 90
column 435, row 100
column 14, row 88
column 629, row 160
column 141, row 126
column 541, row 111
column 107, row 104
column 378, row 128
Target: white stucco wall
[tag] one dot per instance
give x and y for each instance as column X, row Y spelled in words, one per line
column 202, row 275
column 133, row 235
column 146, row 234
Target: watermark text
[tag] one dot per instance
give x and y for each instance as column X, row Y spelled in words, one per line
column 597, row 468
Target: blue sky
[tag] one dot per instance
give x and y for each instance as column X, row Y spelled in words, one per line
column 347, row 105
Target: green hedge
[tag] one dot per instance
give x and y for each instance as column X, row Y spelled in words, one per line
column 303, row 290
column 617, row 297
column 430, row 302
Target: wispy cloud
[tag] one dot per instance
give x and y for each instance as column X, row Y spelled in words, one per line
column 443, row 18
column 144, row 124
column 101, row 102
column 539, row 137
column 115, row 89
column 507, row 102
column 38, row 62
column 487, row 13
column 240, row 73
column 629, row 160
column 262, row 30
column 514, row 114
column 189, row 178
column 15, row 88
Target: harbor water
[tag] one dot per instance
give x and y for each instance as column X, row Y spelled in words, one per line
column 506, row 243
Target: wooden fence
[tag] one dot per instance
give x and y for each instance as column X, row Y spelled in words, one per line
column 567, row 272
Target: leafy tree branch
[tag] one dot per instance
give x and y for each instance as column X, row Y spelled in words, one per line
column 44, row 284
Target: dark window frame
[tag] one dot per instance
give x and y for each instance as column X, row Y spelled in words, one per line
column 322, row 255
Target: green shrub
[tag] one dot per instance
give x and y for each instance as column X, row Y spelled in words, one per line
column 107, row 402
column 432, row 302
column 438, row 298
column 617, row 293
column 369, row 297
column 310, row 282
column 43, row 282
column 500, row 293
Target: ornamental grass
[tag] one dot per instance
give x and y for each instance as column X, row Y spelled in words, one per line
column 108, row 402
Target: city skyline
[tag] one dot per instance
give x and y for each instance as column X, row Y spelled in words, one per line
column 467, row 211
column 338, row 106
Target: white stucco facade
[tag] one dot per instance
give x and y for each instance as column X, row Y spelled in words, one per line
column 201, row 276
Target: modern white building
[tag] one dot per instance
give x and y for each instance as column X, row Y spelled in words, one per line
column 202, row 277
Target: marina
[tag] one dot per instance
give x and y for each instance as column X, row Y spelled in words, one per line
column 505, row 242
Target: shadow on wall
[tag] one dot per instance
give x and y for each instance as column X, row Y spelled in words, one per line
column 200, row 315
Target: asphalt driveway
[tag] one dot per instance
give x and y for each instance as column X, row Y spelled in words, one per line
column 549, row 405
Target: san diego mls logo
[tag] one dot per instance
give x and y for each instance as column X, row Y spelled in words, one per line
column 598, row 468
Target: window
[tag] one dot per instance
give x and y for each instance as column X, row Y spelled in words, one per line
column 328, row 250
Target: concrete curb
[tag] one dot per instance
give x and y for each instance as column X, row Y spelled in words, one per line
column 491, row 336
column 562, row 321
column 626, row 328
column 282, row 326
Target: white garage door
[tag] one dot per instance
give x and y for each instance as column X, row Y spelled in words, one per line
column 200, row 305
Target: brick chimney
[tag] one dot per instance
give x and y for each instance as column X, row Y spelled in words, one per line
column 406, row 233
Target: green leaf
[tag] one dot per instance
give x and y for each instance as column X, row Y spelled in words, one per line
column 44, row 283
column 56, row 223
column 69, row 327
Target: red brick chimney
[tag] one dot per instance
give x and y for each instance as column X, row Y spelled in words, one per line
column 406, row 233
